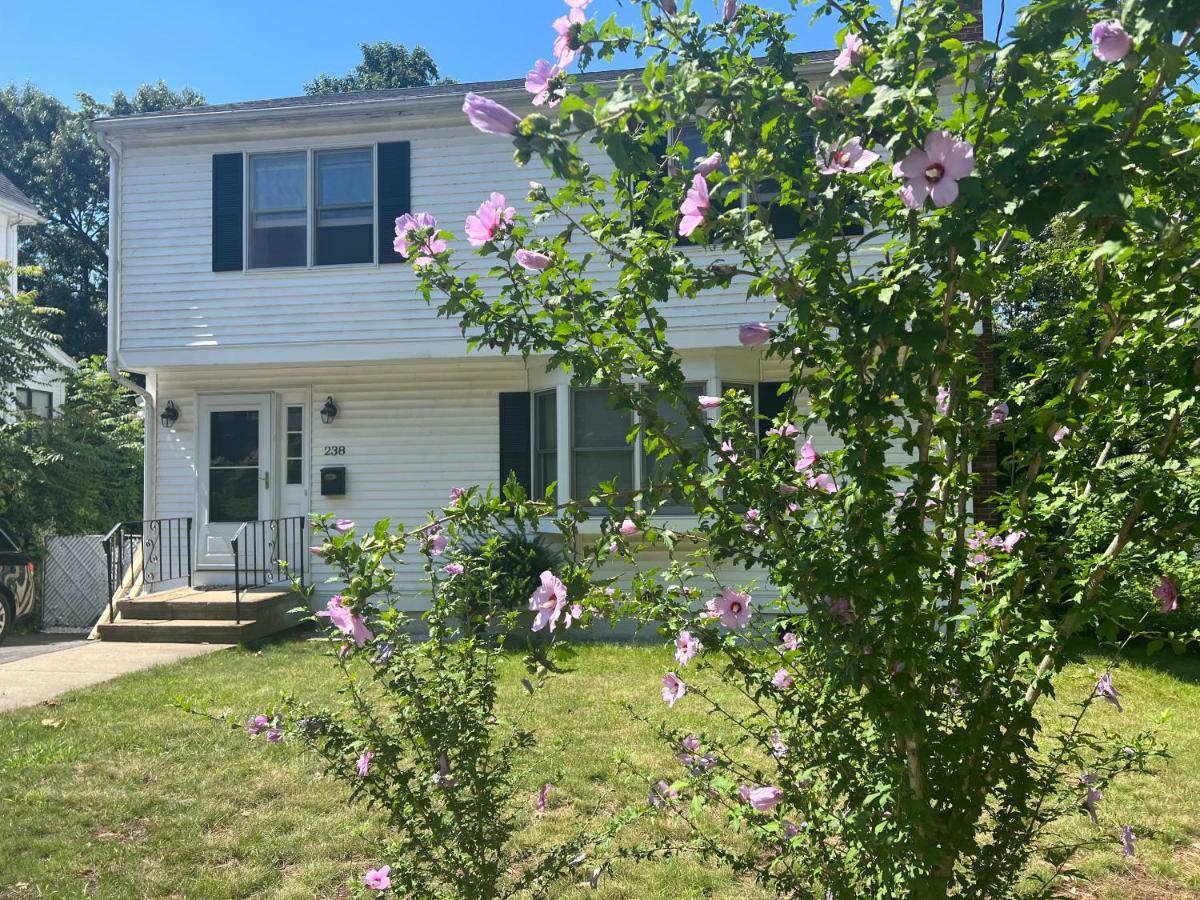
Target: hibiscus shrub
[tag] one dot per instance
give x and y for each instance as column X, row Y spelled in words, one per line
column 418, row 733
column 891, row 739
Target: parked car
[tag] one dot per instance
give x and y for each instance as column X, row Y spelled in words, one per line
column 16, row 583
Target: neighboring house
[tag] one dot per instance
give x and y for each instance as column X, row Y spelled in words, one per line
column 294, row 367
column 43, row 392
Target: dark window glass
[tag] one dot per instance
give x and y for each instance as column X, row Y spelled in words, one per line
column 39, row 403
column 234, row 438
column 233, row 466
column 545, row 443
column 658, row 467
column 232, row 495
column 600, row 451
column 345, row 207
column 7, row 544
column 278, row 210
column 295, row 445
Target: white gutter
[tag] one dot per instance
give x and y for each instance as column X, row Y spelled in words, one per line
column 114, row 326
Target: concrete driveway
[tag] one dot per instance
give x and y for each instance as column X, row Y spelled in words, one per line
column 35, row 668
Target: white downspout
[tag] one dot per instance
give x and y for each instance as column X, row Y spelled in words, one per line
column 114, row 325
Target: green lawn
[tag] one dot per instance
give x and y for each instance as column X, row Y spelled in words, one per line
column 119, row 794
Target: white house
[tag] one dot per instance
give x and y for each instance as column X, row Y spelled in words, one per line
column 43, row 392
column 291, row 365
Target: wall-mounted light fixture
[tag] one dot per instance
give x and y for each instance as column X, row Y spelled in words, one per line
column 170, row 415
column 329, row 411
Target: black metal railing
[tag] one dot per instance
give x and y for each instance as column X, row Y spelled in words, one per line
column 157, row 550
column 267, row 551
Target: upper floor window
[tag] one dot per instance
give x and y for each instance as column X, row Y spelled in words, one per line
column 332, row 189
column 345, row 213
column 278, row 210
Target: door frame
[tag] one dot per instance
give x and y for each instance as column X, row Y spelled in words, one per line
column 268, row 460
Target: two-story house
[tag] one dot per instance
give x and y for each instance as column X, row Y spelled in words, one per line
column 292, row 366
column 44, row 391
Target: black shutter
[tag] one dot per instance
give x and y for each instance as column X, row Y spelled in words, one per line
column 771, row 403
column 392, row 162
column 227, row 215
column 516, row 438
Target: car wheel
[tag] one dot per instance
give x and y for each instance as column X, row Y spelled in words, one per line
column 7, row 616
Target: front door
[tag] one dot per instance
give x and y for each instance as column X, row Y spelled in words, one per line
column 234, row 471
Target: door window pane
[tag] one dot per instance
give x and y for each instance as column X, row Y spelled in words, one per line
column 345, row 207
column 233, row 466
column 295, row 445
column 234, row 438
column 232, row 495
column 278, row 210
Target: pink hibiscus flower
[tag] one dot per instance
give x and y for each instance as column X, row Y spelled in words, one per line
column 1167, row 594
column 694, row 206
column 364, row 763
column 732, row 608
column 934, row 171
column 1110, row 41
column 489, row 116
column 783, row 679
column 406, row 225
column 378, row 879
column 532, row 261
column 754, row 334
column 537, row 82
column 566, row 44
column 673, row 688
column 848, row 157
column 851, row 52
column 346, row 621
column 764, row 799
column 548, row 601
column 492, row 217
column 808, row 457
column 686, row 647
column 707, row 402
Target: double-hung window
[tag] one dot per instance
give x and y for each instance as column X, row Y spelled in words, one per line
column 600, row 448
column 345, row 211
column 658, row 462
column 278, row 210
column 545, row 441
column 329, row 194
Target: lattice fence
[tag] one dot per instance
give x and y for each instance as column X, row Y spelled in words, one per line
column 74, row 582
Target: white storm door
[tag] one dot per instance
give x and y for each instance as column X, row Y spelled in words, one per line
column 234, row 456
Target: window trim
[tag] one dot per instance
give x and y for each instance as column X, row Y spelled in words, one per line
column 311, row 208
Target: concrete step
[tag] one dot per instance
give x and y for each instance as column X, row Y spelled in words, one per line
column 192, row 604
column 188, row 631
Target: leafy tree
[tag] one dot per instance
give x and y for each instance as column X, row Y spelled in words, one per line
column 80, row 471
column 46, row 150
column 23, row 334
column 384, row 65
column 891, row 740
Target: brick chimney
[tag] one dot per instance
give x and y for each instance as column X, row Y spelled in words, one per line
column 974, row 31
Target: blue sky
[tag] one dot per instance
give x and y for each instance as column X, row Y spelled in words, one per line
column 253, row 49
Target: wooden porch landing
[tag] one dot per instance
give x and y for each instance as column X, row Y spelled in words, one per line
column 193, row 616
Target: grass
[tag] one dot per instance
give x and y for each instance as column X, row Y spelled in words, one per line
column 114, row 792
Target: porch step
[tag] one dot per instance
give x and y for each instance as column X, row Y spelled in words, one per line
column 190, row 616
column 188, row 603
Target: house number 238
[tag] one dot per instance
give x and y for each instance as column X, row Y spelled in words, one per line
column 335, row 450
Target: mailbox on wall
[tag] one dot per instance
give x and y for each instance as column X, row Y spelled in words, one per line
column 333, row 481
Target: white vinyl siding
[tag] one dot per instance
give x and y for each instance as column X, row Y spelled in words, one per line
column 176, row 311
